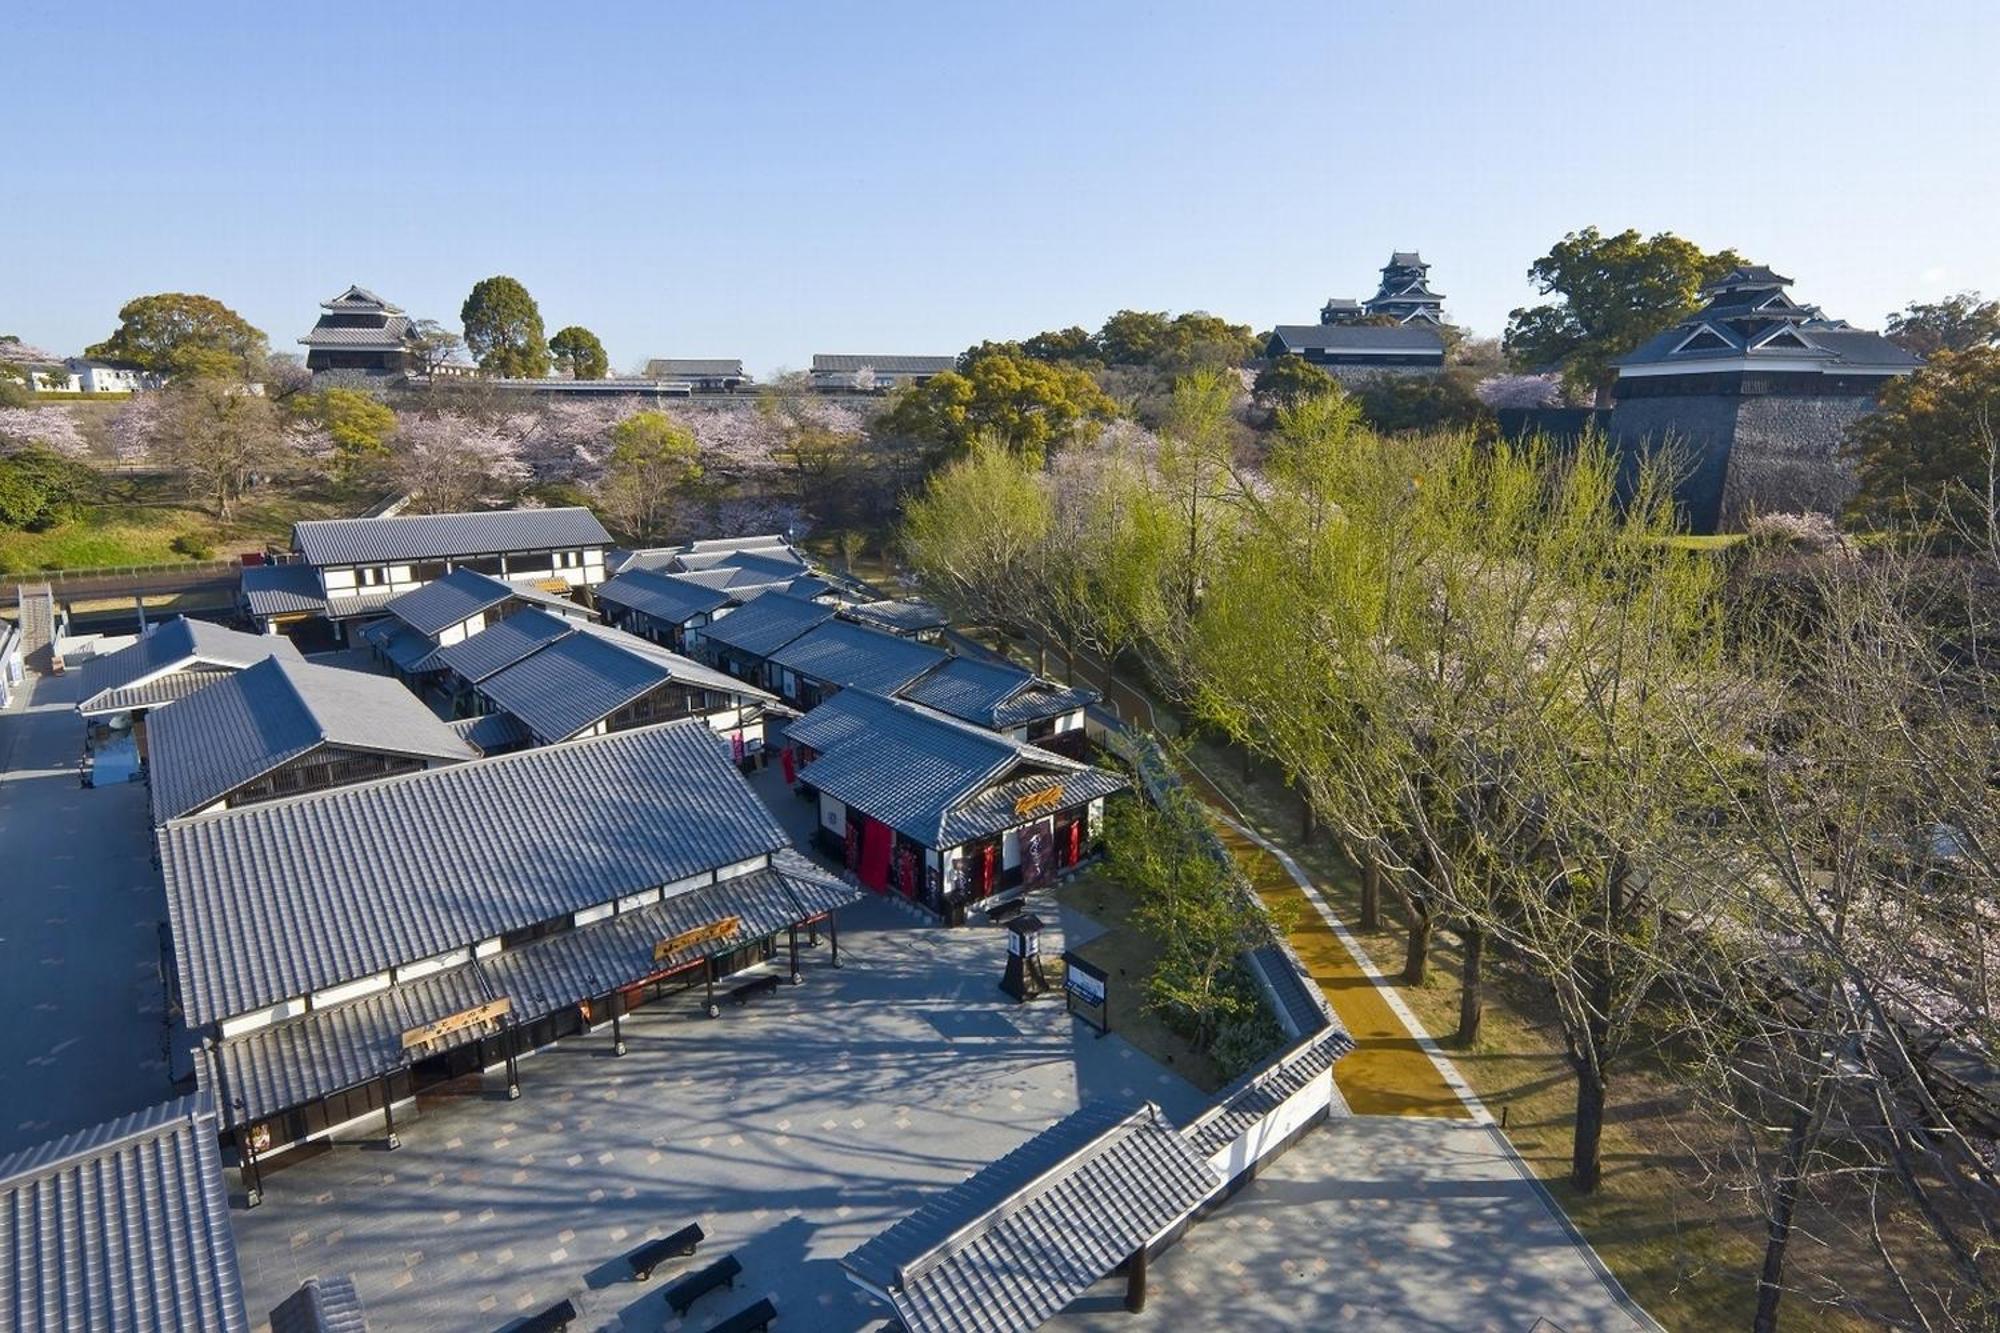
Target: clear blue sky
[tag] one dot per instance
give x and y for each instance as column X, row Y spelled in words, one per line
column 769, row 181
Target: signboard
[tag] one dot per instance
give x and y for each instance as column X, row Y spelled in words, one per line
column 723, row 929
column 1035, row 802
column 426, row 1033
column 1087, row 993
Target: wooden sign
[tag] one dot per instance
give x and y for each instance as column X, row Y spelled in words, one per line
column 458, row 1022
column 724, row 929
column 1035, row 802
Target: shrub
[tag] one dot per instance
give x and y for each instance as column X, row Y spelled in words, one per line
column 192, row 546
column 1805, row 532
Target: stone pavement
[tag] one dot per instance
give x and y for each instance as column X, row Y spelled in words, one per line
column 792, row 1129
column 1389, row 1223
column 80, row 911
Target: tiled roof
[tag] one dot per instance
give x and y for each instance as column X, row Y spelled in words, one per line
column 754, row 542
column 694, row 367
column 178, row 644
column 847, row 363
column 762, row 627
column 240, row 729
column 498, row 647
column 494, row 731
column 993, row 810
column 276, row 590
column 123, row 1227
column 321, row 1305
column 367, row 541
column 907, row 616
column 1836, row 347
column 394, row 331
column 779, row 561
column 994, row 694
column 444, row 602
column 328, row 1050
column 1261, row 1091
column 1013, row 1245
column 155, row 693
column 409, row 650
column 1361, row 339
column 920, row 772
column 357, row 297
column 842, row 653
column 1302, row 1006
column 293, row 896
column 668, row 598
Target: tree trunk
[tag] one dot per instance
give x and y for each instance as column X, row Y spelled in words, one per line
column 1041, row 657
column 1417, row 952
column 1778, row 1235
column 1586, row 1169
column 1246, row 766
column 1308, row 822
column 1371, row 892
column 1471, row 985
column 1069, row 665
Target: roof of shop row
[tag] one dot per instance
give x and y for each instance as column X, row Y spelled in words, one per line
column 369, row 541
column 288, row 897
column 178, row 645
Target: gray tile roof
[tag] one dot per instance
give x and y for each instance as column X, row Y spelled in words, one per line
column 500, row 646
column 276, row 590
column 778, row 561
column 293, row 896
column 409, row 650
column 444, row 602
column 1261, row 1091
column 754, row 542
column 840, row 652
column 494, row 731
column 923, row 773
column 239, row 729
column 177, row 645
column 668, row 598
column 694, row 367
column 357, row 297
column 762, row 627
column 906, row 616
column 321, row 1305
column 992, row 810
column 328, row 1050
column 1010, row 1247
column 1838, row 348
column 122, row 1227
column 994, row 694
column 170, row 688
column 1302, row 1006
column 368, row 541
column 847, row 363
column 392, row 332
column 1361, row 339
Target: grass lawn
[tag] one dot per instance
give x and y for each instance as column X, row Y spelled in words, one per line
column 138, row 518
column 1128, row 954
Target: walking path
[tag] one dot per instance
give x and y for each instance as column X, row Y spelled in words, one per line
column 1395, row 1069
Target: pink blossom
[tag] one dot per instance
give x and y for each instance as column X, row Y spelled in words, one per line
column 53, row 428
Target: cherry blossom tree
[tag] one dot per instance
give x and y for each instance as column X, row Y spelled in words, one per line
column 52, row 428
column 1521, row 391
column 448, row 462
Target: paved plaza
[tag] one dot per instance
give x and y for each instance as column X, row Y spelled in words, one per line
column 80, row 914
column 792, row 1129
column 1377, row 1223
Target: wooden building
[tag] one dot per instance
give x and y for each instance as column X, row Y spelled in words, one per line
column 360, row 337
column 941, row 812
column 339, row 952
column 120, row 690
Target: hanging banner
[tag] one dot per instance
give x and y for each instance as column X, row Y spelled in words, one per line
column 489, row 1012
column 723, row 929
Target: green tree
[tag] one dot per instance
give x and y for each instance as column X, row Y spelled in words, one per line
column 1929, row 452
column 577, row 350
column 433, row 346
column 360, row 426
column 1289, row 380
column 184, row 336
column 1072, row 346
column 503, row 328
column 40, row 488
column 976, row 534
column 1615, row 292
column 1446, row 401
column 1031, row 405
column 653, row 459
column 1955, row 324
column 1189, row 341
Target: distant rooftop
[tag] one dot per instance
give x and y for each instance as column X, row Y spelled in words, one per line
column 361, row 541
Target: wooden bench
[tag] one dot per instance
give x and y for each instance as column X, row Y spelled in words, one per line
column 751, row 1319
column 722, row 1273
column 755, row 986
column 551, row 1320
column 1007, row 911
column 656, row 1252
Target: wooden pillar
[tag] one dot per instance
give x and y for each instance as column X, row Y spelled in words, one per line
column 617, row 1034
column 833, row 934
column 512, row 1036
column 389, row 1110
column 708, row 977
column 253, row 1179
column 793, row 931
column 1135, row 1281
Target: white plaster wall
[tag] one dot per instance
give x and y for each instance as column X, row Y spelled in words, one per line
column 832, row 815
column 1264, row 1137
